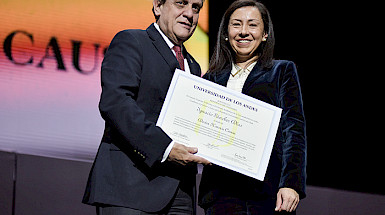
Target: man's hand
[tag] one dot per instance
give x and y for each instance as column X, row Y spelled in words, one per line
column 287, row 200
column 184, row 155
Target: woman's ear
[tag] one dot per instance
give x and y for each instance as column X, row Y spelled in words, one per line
column 264, row 38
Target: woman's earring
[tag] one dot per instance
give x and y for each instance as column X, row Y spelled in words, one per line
column 226, row 39
column 264, row 38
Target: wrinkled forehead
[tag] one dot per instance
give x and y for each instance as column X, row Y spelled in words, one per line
column 199, row 2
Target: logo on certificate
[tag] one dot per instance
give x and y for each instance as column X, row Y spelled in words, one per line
column 214, row 118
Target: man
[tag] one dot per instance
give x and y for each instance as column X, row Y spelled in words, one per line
column 138, row 168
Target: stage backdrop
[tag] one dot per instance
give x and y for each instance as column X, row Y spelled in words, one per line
column 51, row 53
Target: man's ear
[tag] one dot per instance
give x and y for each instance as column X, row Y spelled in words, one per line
column 156, row 7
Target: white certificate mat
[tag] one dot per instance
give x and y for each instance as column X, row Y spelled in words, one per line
column 229, row 128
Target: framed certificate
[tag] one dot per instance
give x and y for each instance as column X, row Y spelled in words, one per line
column 229, row 128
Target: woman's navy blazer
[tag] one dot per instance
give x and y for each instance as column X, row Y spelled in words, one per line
column 280, row 87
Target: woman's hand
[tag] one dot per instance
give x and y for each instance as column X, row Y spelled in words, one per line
column 287, row 200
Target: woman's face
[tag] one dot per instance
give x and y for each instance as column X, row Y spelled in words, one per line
column 246, row 32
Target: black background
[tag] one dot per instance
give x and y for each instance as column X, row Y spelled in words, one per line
column 333, row 48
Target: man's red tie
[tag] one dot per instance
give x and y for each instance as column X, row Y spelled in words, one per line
column 179, row 56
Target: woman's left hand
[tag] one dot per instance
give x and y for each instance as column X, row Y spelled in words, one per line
column 287, row 200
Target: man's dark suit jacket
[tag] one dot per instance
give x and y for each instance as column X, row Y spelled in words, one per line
column 136, row 73
column 280, row 87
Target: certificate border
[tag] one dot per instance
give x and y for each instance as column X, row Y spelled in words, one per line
column 260, row 174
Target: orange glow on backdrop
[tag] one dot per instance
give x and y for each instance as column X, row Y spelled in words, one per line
column 51, row 53
column 89, row 21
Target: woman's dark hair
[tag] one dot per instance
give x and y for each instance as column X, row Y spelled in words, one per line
column 223, row 53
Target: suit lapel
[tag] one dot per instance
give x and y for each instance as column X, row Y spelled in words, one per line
column 195, row 69
column 167, row 54
column 162, row 47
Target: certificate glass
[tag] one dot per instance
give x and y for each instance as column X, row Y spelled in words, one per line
column 229, row 128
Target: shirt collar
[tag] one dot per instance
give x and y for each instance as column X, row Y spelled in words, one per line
column 235, row 69
column 168, row 41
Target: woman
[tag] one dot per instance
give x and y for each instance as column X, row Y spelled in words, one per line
column 243, row 61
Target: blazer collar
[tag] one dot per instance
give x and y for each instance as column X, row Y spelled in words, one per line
column 223, row 76
column 167, row 54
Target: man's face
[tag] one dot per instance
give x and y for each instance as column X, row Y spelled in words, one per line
column 178, row 18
